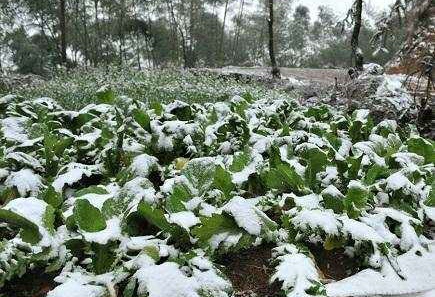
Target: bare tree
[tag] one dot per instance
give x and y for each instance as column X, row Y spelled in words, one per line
column 221, row 43
column 356, row 57
column 239, row 20
column 97, row 35
column 275, row 70
column 84, row 15
column 62, row 29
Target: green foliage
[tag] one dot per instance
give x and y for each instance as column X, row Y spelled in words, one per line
column 103, row 257
column 422, row 147
column 88, row 217
column 52, row 197
column 222, row 181
column 355, row 201
column 142, row 118
column 240, row 161
column 29, row 231
column 91, row 190
column 336, row 203
column 374, row 173
column 180, row 194
column 430, row 201
column 200, row 173
column 218, row 223
column 154, row 216
column 316, row 162
column 77, row 88
column 212, row 176
column 106, row 95
column 283, row 178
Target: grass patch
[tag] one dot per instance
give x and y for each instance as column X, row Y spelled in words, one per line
column 77, row 88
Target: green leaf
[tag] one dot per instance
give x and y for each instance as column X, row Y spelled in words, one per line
column 355, row 165
column 158, row 108
column 336, row 203
column 91, row 190
column 374, row 173
column 7, row 194
column 355, row 131
column 29, row 231
column 82, row 119
column 154, row 216
column 239, row 107
column 200, row 172
column 180, row 193
column 274, row 156
column 333, row 242
column 240, row 161
column 248, row 97
column 423, row 148
column 360, row 128
column 152, row 252
column 316, row 162
column 355, row 201
column 222, row 181
column 321, row 113
column 115, row 206
column 49, row 218
column 106, row 95
column 52, row 197
column 269, row 224
column 283, row 178
column 130, row 288
column 183, row 113
column 430, row 201
column 88, row 217
column 143, row 119
column 103, row 257
column 216, row 224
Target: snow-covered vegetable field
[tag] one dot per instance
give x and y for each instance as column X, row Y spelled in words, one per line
column 121, row 199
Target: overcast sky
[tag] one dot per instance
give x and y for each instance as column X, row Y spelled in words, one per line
column 341, row 6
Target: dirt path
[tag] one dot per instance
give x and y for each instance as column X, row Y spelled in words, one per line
column 305, row 75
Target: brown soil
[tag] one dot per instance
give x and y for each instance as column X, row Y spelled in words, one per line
column 33, row 284
column 250, row 271
column 334, row 264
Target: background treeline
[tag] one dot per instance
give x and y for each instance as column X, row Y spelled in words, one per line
column 38, row 36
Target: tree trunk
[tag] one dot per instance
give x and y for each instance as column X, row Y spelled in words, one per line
column 183, row 37
column 237, row 33
column 356, row 57
column 85, row 31
column 275, row 70
column 122, row 54
column 62, row 28
column 97, row 36
column 221, row 44
column 193, row 19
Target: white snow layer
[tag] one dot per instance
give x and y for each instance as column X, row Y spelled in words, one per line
column 245, row 213
column 418, row 271
column 72, row 288
column 26, row 182
column 168, row 279
column 185, row 219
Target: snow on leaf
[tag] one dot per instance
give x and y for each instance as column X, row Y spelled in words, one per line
column 26, row 181
column 74, row 172
column 247, row 215
column 297, row 272
column 143, row 165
